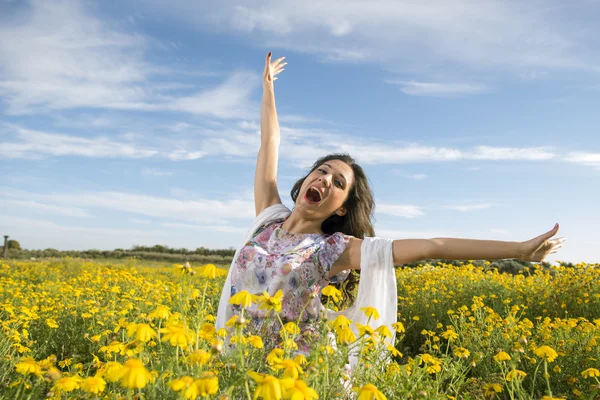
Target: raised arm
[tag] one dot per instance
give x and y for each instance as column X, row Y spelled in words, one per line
column 412, row 250
column 265, row 178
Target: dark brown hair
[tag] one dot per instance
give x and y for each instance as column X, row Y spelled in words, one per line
column 357, row 222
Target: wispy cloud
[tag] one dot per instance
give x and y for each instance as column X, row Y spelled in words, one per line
column 68, row 58
column 404, row 174
column 468, row 207
column 43, row 208
column 438, row 89
column 399, row 210
column 168, row 208
column 299, row 146
column 583, row 158
column 413, row 234
column 411, row 36
column 36, row 144
column 156, row 172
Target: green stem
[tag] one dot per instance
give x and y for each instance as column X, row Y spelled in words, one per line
column 547, row 377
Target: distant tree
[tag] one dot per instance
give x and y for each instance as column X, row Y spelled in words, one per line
column 13, row 245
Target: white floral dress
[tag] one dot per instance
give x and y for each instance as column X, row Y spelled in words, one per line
column 296, row 263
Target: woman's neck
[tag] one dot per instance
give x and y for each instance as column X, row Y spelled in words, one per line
column 296, row 224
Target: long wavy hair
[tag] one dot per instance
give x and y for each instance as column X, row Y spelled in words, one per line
column 357, row 222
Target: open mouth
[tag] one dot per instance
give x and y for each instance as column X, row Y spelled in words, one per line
column 313, row 195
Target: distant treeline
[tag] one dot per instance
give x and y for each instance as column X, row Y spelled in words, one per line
column 203, row 255
column 154, row 253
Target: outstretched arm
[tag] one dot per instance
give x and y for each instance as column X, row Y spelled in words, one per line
column 412, row 250
column 265, row 179
column 536, row 249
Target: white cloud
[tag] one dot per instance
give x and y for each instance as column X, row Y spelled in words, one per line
column 43, row 208
column 404, row 174
column 301, row 146
column 66, row 58
column 468, row 207
column 399, row 210
column 499, row 231
column 410, row 36
column 179, row 209
column 511, row 153
column 411, row 234
column 156, row 172
column 206, row 228
column 35, row 144
column 583, row 158
column 438, row 89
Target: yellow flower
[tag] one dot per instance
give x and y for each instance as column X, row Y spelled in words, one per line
column 395, row 352
column 501, row 356
column 290, row 369
column 515, row 374
column 242, row 298
column 461, row 352
column 266, row 302
column 185, row 385
column 399, row 327
column 590, row 373
column 546, row 352
column 491, row 388
column 51, row 323
column 275, row 356
column 298, row 390
column 143, row 332
column 108, row 369
column 290, row 328
column 332, row 292
column 65, row 363
column 364, row 329
column 176, row 334
column 340, row 322
column 384, row 331
column 28, row 366
column 132, row 375
column 370, row 312
column 93, row 384
column 256, row 342
column 207, row 384
column 207, row 331
column 433, row 365
column 211, row 272
column 67, row 384
column 346, row 336
column 370, row 392
column 200, row 357
column 268, row 386
column 113, row 347
column 300, row 359
column 450, row 335
column 160, row 312
column 185, row 269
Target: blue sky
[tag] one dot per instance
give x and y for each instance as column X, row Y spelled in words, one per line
column 137, row 122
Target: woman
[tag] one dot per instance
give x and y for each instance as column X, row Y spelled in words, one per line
column 328, row 234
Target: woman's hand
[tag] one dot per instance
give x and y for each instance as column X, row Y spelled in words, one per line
column 538, row 248
column 271, row 70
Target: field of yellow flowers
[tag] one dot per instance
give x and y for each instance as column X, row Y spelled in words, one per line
column 77, row 329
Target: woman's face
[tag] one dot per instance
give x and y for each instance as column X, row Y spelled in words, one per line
column 332, row 180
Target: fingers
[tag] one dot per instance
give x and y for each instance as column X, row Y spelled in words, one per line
column 276, row 62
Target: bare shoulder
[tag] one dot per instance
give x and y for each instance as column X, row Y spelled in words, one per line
column 349, row 259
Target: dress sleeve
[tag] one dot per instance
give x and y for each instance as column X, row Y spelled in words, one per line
column 331, row 250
